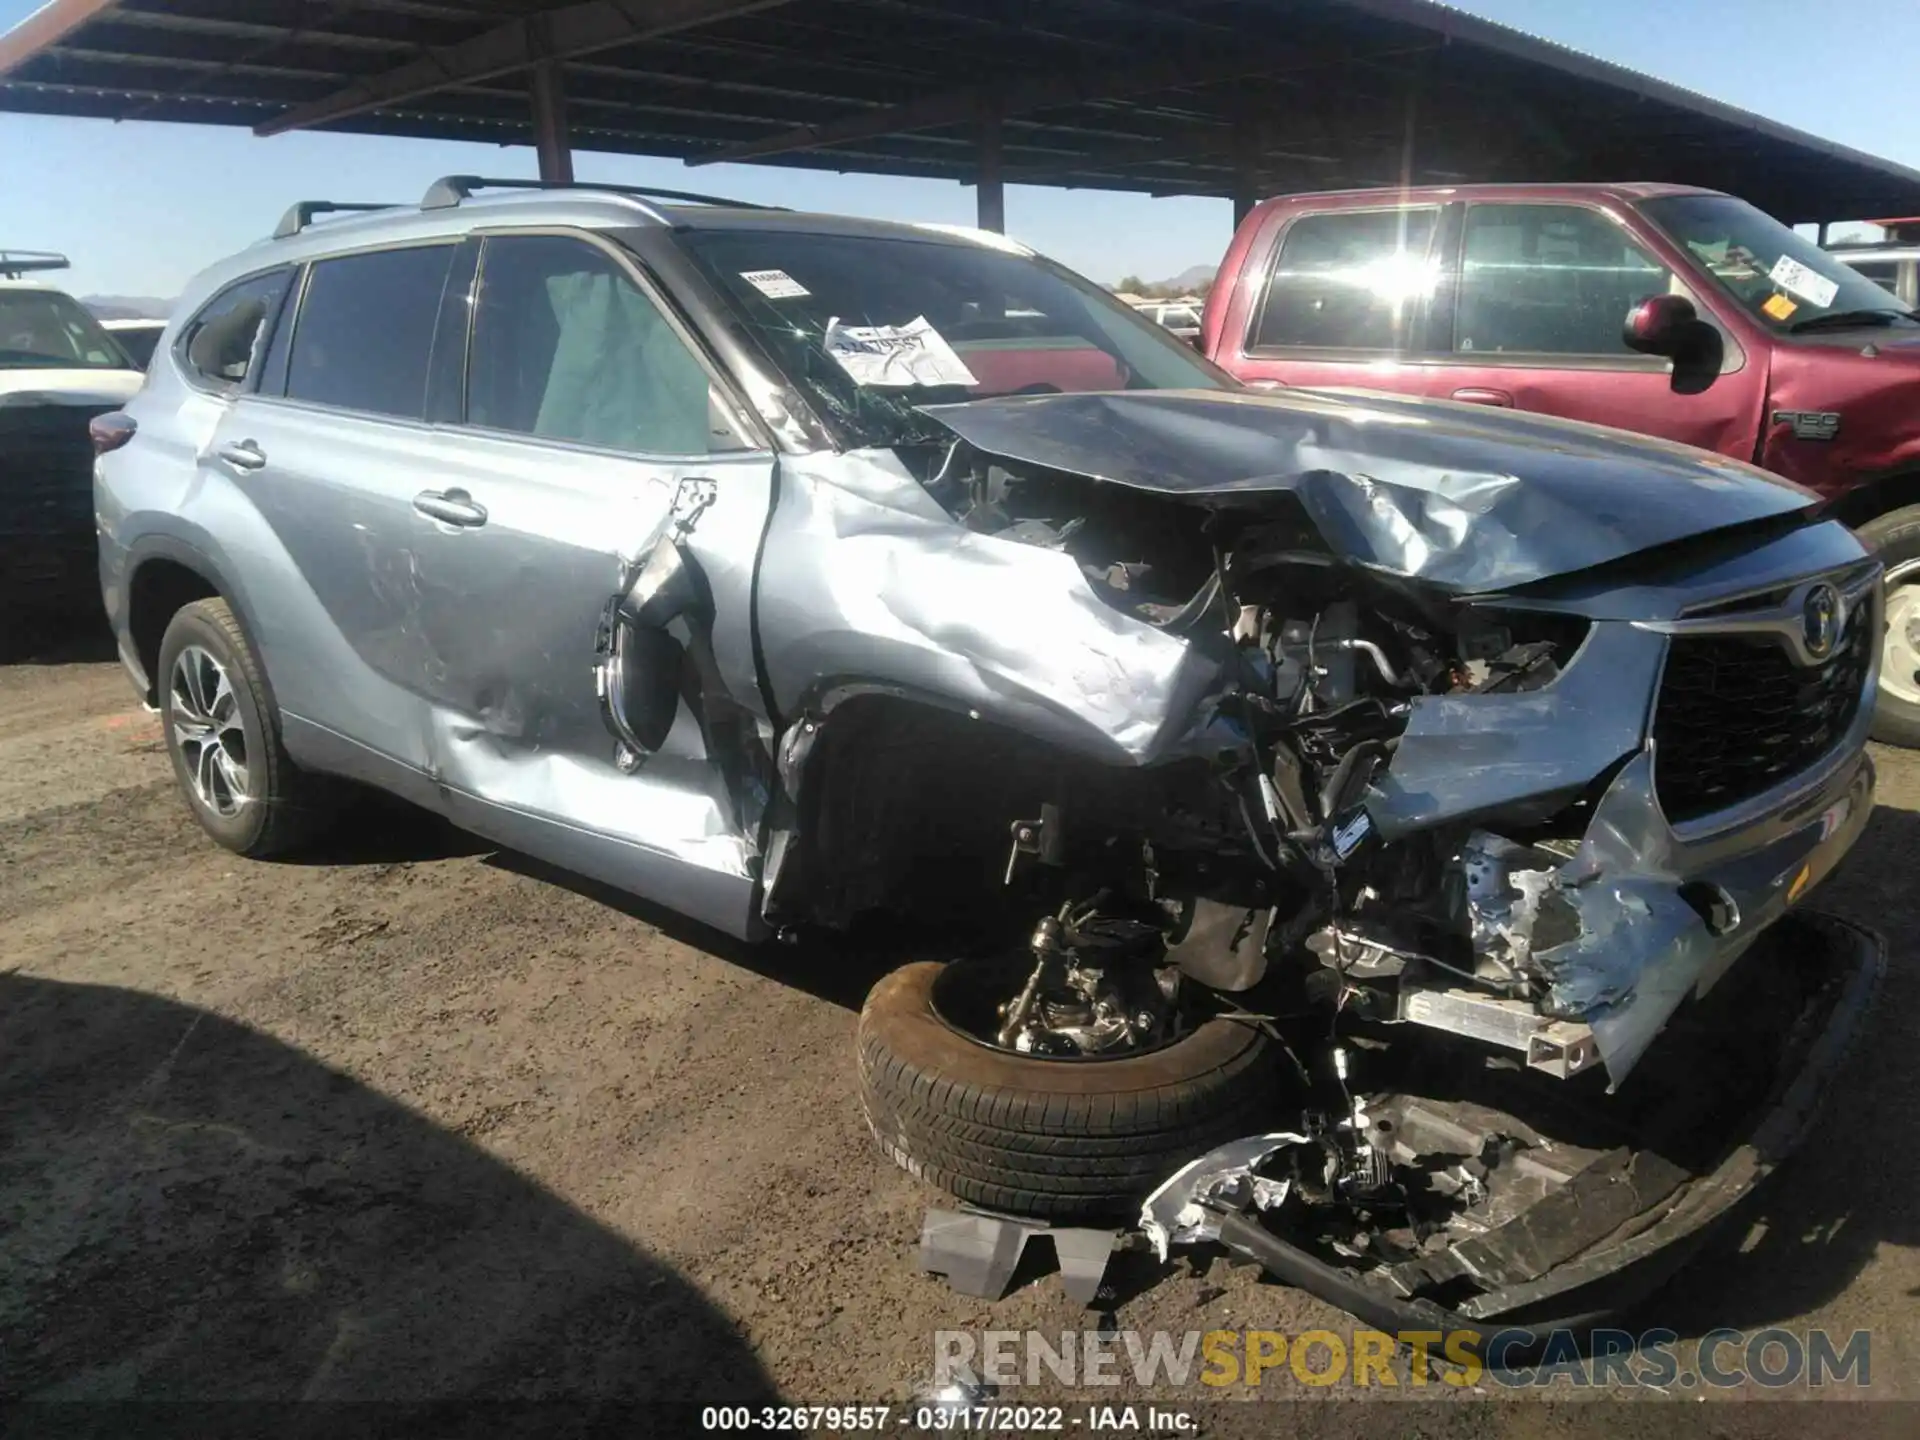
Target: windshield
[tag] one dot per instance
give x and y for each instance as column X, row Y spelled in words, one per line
column 1784, row 280
column 870, row 328
column 45, row 330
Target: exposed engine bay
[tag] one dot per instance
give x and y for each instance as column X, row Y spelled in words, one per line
column 1262, row 849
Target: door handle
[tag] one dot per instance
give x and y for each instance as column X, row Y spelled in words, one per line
column 451, row 507
column 1480, row 395
column 242, row 455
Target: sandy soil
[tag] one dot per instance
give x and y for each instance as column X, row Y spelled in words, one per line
column 422, row 1119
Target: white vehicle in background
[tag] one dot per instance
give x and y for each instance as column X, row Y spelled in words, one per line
column 1893, row 267
column 137, row 337
column 58, row 369
column 1181, row 317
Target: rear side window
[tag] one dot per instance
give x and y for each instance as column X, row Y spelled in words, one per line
column 1549, row 279
column 365, row 331
column 221, row 344
column 1349, row 280
column 567, row 347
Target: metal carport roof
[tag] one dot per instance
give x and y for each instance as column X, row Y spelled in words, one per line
column 1213, row 97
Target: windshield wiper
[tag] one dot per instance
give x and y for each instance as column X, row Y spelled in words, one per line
column 1884, row 315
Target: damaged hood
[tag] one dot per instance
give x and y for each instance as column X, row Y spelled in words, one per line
column 1454, row 495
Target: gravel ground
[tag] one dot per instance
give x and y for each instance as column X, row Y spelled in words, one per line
column 422, row 1119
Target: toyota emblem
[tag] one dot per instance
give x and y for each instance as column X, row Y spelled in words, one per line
column 1820, row 620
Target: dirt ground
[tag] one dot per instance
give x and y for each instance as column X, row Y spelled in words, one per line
column 419, row 1118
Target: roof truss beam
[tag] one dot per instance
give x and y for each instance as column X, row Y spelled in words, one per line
column 554, row 35
column 1019, row 97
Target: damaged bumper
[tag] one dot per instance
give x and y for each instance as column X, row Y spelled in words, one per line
column 1478, row 1215
column 1641, row 916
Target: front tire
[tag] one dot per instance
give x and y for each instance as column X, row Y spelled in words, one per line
column 1055, row 1139
column 1895, row 538
column 223, row 734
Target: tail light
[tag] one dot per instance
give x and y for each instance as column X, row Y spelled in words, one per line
column 111, row 431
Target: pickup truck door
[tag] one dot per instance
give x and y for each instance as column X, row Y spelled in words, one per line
column 1533, row 319
column 585, row 542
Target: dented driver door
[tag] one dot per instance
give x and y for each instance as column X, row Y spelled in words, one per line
column 594, row 444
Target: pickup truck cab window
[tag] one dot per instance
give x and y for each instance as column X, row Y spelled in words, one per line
column 1348, row 280
column 1549, row 280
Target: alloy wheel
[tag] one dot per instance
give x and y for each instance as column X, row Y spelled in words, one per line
column 210, row 732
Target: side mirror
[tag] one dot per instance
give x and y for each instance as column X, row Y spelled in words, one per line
column 1662, row 325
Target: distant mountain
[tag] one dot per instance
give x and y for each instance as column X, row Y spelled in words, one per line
column 127, row 307
column 1189, row 281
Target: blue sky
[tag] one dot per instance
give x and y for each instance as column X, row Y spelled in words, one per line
column 140, row 207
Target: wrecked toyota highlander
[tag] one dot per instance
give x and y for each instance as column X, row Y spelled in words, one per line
column 1399, row 795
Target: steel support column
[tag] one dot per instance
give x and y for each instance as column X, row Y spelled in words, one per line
column 550, row 122
column 992, row 195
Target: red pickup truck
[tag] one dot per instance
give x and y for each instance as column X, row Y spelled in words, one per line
column 1674, row 311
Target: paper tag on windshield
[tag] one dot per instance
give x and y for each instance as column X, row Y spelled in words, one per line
column 896, row 356
column 775, row 284
column 1810, row 285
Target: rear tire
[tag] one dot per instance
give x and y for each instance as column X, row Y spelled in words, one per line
column 1895, row 538
column 223, row 734
column 1055, row 1139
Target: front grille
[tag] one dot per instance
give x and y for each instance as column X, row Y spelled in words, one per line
column 1737, row 716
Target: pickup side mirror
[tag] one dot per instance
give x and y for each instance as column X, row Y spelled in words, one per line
column 1662, row 325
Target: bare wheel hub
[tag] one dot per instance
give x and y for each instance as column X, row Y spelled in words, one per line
column 207, row 726
column 1900, row 659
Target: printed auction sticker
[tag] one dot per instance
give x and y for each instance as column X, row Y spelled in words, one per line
column 775, row 284
column 896, row 356
column 1810, row 285
column 1778, row 306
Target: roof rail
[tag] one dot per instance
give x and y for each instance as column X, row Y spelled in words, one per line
column 15, row 263
column 450, row 190
column 299, row 216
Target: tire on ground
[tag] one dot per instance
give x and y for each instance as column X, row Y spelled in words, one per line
column 289, row 807
column 1895, row 538
column 1054, row 1139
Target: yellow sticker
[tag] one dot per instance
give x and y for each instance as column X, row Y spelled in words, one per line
column 1779, row 307
column 1799, row 886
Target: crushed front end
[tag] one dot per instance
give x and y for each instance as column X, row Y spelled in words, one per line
column 1475, row 771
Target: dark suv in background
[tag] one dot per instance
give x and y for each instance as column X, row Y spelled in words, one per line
column 1674, row 311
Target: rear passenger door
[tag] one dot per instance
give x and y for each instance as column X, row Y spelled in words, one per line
column 330, row 449
column 592, row 428
column 1541, row 295
column 1346, row 300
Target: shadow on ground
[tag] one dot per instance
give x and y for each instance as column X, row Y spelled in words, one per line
column 190, row 1208
column 1805, row 1236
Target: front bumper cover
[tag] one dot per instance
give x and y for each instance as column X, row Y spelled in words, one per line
column 1641, row 1253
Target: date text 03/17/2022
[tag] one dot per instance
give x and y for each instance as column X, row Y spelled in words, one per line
column 1141, row 1420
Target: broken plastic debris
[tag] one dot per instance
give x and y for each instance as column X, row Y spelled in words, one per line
column 1175, row 1213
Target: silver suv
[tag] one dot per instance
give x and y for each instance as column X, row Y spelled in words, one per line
column 782, row 568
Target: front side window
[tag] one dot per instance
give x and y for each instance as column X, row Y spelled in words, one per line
column 1782, row 279
column 365, row 330
column 872, row 327
column 1549, row 280
column 46, row 330
column 220, row 342
column 1349, row 280
column 567, row 347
